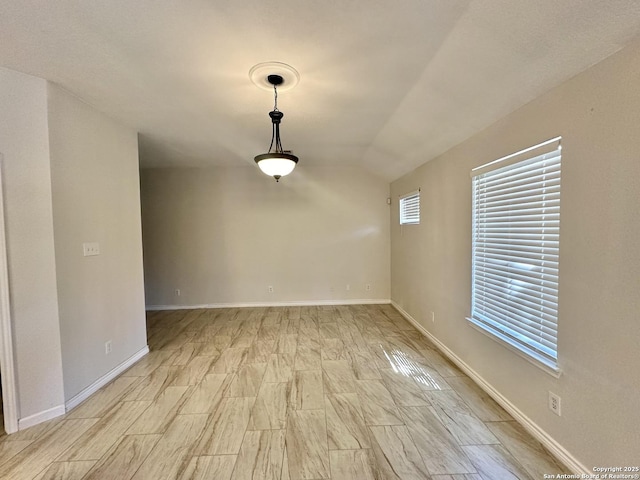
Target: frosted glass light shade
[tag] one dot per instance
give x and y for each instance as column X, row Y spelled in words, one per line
column 276, row 164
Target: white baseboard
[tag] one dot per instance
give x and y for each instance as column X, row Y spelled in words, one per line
column 106, row 378
column 534, row 429
column 302, row 303
column 40, row 417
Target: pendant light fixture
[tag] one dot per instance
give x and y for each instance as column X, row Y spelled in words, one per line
column 277, row 162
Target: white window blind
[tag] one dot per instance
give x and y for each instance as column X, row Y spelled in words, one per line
column 516, row 235
column 410, row 208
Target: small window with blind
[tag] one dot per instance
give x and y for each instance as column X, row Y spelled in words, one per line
column 515, row 247
column 410, row 208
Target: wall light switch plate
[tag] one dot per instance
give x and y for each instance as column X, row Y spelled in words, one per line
column 90, row 249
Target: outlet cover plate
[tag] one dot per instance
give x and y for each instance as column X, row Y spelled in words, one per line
column 554, row 403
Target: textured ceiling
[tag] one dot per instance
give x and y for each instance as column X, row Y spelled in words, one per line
column 385, row 85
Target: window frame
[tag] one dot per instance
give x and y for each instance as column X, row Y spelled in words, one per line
column 497, row 323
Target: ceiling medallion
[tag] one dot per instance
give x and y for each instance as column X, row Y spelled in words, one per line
column 259, row 75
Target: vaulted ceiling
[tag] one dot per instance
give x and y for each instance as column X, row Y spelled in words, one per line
column 387, row 85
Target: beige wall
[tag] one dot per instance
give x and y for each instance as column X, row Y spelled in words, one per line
column 24, row 143
column 598, row 115
column 96, row 198
column 70, row 175
column 223, row 235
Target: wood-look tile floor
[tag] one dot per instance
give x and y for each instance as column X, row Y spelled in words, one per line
column 297, row 393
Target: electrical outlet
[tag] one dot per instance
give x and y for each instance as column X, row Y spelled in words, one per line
column 554, row 403
column 177, row 292
column 367, row 287
column 433, row 317
column 107, row 347
column 348, row 287
column 270, row 288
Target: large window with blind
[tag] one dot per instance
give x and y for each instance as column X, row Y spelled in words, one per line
column 515, row 247
column 410, row 208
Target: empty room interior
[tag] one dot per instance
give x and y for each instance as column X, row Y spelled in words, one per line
column 319, row 240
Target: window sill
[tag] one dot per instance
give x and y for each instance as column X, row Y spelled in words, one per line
column 531, row 357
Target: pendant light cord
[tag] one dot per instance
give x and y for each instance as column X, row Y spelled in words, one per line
column 275, row 99
column 275, row 126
